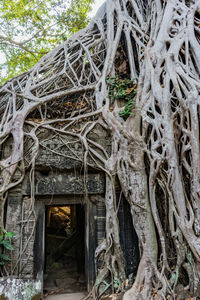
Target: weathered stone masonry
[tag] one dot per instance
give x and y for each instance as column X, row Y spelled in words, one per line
column 59, row 180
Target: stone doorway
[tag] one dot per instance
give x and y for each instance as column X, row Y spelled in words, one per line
column 85, row 216
column 64, row 265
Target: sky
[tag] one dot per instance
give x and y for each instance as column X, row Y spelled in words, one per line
column 95, row 7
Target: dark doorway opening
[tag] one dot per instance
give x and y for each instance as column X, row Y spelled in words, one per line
column 64, row 270
column 128, row 237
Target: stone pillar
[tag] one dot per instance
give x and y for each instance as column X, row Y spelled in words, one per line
column 90, row 243
column 13, row 223
column 28, row 224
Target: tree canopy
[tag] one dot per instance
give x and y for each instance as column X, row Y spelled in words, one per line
column 30, row 29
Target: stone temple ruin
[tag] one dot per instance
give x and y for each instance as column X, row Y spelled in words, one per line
column 99, row 140
column 42, row 247
column 55, row 184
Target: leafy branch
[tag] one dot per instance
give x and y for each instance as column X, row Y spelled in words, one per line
column 5, row 243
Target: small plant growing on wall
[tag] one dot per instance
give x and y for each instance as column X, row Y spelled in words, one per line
column 123, row 90
column 5, row 244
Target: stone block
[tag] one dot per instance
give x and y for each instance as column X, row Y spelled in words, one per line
column 65, row 184
column 18, row 289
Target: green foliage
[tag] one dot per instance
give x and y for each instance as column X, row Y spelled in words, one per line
column 125, row 90
column 30, row 29
column 5, row 243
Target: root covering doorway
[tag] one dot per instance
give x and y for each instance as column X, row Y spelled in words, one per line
column 64, row 264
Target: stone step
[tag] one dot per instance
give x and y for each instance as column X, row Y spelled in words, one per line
column 71, row 296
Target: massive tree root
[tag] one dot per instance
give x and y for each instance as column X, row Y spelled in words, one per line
column 155, row 150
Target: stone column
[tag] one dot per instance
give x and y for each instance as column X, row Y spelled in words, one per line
column 13, row 223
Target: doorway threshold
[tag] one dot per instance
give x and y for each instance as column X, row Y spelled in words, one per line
column 71, row 296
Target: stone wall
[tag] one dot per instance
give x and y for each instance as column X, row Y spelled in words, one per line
column 20, row 216
column 66, row 152
column 55, row 176
column 64, row 183
column 59, row 176
column 18, row 289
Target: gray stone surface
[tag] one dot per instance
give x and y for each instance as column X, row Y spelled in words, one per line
column 13, row 223
column 59, row 175
column 18, row 289
column 72, row 296
column 56, row 183
column 66, row 152
column 27, row 234
column 54, row 154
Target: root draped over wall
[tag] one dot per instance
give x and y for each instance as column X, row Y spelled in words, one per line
column 155, row 151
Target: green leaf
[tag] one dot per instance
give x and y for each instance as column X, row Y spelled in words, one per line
column 10, row 234
column 125, row 90
column 7, row 244
column 4, row 257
